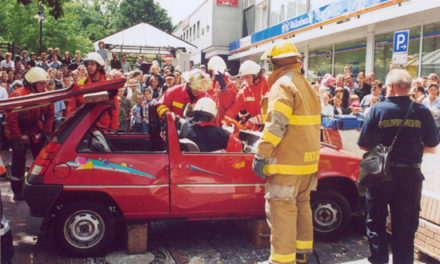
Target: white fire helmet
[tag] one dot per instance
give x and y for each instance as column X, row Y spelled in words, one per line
column 205, row 106
column 95, row 57
column 249, row 68
column 36, row 74
column 217, row 64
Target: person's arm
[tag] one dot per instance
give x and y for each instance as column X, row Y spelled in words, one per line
column 429, row 150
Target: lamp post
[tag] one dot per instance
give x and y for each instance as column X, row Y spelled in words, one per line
column 40, row 17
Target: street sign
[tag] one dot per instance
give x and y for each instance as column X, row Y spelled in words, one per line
column 400, row 47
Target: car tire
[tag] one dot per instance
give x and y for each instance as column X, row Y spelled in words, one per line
column 85, row 228
column 331, row 214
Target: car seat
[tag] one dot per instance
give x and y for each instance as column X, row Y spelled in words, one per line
column 187, row 145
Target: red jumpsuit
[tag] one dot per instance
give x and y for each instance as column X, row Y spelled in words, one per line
column 222, row 98
column 109, row 119
column 249, row 99
column 175, row 99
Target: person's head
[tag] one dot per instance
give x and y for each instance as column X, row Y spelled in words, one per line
column 155, row 69
column 347, row 69
column 8, row 56
column 24, row 53
column 67, row 81
column 64, row 68
column 349, row 81
column 95, row 64
column 166, row 70
column 123, row 58
column 137, row 74
column 326, row 97
column 77, row 54
column 114, row 74
column 340, row 80
column 66, row 54
column 36, row 79
column 52, row 73
column 75, row 76
column 33, row 56
column 50, row 51
column 168, row 61
column 148, row 94
column 250, row 72
column 202, row 67
column 17, row 84
column 44, row 56
column 131, row 84
column 337, row 101
column 216, row 65
column 398, row 82
column 355, row 108
column 114, row 55
column 433, row 90
column 177, row 77
column 330, row 82
column 101, row 44
column 361, row 78
column 57, row 51
column 11, row 75
column 198, row 82
column 419, row 92
column 170, row 80
column 3, row 84
column 339, row 91
column 4, row 76
column 18, row 75
column 51, row 85
column 121, row 92
column 154, row 81
column 59, row 75
column 205, row 110
column 433, row 77
column 139, row 99
column 82, row 71
column 282, row 54
column 354, row 99
column 376, row 87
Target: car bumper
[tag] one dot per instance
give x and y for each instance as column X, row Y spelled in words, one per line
column 40, row 197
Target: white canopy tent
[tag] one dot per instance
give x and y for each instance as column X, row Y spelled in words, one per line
column 146, row 39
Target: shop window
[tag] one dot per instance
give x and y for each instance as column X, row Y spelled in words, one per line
column 352, row 54
column 320, row 63
column 282, row 10
column 431, row 49
column 383, row 53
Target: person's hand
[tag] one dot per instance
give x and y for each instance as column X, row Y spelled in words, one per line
column 257, row 167
column 220, row 78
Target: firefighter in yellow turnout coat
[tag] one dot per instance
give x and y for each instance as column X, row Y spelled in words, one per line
column 288, row 153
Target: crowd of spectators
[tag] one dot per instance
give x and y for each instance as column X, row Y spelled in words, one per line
column 343, row 96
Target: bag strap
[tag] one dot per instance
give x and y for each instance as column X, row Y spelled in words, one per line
column 390, row 148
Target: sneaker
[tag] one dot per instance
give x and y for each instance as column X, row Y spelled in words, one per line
column 18, row 197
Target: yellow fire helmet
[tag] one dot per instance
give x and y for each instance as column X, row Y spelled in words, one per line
column 282, row 50
column 197, row 80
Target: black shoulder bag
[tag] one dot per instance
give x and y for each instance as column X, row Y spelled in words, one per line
column 375, row 165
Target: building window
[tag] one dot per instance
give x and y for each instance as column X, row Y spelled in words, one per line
column 194, row 32
column 282, row 10
column 261, row 13
column 249, row 21
column 198, row 29
column 352, row 54
column 431, row 49
column 383, row 53
column 320, row 63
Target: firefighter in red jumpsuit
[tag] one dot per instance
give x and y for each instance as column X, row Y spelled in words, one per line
column 176, row 99
column 29, row 128
column 250, row 97
column 96, row 74
column 204, row 132
column 223, row 91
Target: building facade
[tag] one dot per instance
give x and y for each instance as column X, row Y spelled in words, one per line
column 334, row 33
column 211, row 27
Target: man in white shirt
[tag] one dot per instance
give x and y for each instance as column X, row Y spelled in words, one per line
column 7, row 62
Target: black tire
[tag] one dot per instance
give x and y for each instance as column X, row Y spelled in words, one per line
column 85, row 228
column 331, row 214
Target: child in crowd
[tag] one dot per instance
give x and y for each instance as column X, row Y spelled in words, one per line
column 326, row 107
column 124, row 109
column 338, row 108
column 146, row 104
column 137, row 117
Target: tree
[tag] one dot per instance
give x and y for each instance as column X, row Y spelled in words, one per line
column 55, row 6
column 132, row 12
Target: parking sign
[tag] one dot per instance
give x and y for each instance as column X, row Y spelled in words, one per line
column 400, row 42
column 400, row 47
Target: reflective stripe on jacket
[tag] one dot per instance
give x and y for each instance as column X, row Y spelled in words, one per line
column 291, row 136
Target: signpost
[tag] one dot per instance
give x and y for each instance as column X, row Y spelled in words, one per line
column 400, row 47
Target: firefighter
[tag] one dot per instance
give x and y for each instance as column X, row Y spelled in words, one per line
column 179, row 97
column 223, row 91
column 249, row 98
column 204, row 132
column 29, row 128
column 288, row 153
column 96, row 74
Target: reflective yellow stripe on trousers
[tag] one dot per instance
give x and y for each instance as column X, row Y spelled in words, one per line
column 304, row 245
column 283, row 258
column 290, row 169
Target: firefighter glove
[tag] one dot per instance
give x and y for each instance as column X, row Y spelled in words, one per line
column 220, row 78
column 257, row 167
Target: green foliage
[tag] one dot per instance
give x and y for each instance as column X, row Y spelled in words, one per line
column 55, row 6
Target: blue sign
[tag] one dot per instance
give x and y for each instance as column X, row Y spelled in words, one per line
column 400, row 42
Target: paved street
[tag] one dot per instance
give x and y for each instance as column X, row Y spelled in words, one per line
column 203, row 242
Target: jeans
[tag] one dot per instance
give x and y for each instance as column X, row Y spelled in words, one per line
column 403, row 195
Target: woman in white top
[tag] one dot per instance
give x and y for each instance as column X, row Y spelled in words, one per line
column 326, row 107
column 433, row 102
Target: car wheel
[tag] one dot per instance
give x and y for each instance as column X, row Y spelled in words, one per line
column 331, row 214
column 85, row 228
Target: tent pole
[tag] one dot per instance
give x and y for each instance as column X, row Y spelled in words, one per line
column 157, row 58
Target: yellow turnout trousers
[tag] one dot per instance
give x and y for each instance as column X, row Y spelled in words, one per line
column 289, row 216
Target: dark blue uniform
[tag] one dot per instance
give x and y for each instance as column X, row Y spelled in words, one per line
column 404, row 191
column 208, row 137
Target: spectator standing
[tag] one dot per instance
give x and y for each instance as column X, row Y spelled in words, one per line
column 169, row 65
column 432, row 102
column 32, row 61
column 115, row 63
column 363, row 88
column 56, row 64
column 403, row 192
column 103, row 52
column 49, row 55
column 24, row 57
column 44, row 64
column 57, row 54
column 7, row 63
column 326, row 108
column 375, row 92
column 124, row 110
column 148, row 102
column 125, row 66
column 66, row 58
column 137, row 115
column 350, row 85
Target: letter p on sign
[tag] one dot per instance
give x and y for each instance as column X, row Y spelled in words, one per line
column 400, row 42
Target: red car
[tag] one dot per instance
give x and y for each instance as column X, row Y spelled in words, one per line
column 85, row 181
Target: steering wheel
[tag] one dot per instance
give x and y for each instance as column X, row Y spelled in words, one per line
column 114, row 131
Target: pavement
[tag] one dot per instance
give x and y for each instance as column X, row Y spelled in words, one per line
column 171, row 242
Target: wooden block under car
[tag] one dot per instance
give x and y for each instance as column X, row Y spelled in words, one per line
column 257, row 231
column 137, row 235
column 96, row 97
